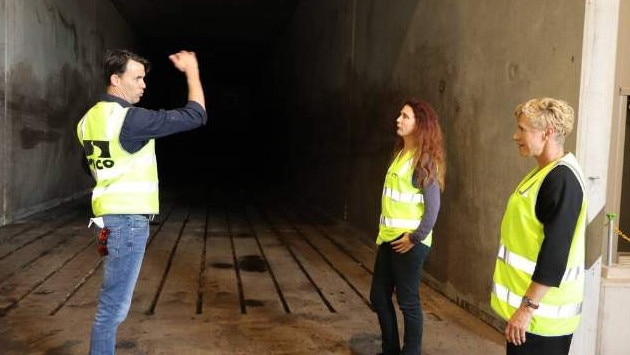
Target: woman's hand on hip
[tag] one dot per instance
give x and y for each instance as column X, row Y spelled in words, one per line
column 404, row 244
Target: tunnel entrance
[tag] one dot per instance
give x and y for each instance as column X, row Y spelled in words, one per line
column 244, row 140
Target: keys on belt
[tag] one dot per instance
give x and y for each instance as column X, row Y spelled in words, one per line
column 101, row 242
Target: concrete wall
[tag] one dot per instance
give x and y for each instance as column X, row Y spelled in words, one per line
column 50, row 59
column 614, row 330
column 351, row 63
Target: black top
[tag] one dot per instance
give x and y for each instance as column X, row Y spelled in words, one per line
column 558, row 207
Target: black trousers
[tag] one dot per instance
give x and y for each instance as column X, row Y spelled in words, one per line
column 538, row 345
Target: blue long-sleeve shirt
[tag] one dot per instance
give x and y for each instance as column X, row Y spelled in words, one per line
column 142, row 124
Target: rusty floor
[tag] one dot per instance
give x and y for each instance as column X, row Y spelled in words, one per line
column 223, row 274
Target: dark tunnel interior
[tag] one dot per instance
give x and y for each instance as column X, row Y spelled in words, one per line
column 235, row 43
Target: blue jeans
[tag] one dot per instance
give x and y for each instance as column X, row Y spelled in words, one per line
column 399, row 272
column 126, row 245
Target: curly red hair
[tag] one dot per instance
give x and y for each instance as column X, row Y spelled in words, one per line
column 429, row 158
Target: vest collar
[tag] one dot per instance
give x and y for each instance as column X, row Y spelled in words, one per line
column 116, row 99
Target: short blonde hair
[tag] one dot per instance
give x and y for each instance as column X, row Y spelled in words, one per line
column 546, row 112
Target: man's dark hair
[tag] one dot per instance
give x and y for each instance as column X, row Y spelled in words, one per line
column 115, row 62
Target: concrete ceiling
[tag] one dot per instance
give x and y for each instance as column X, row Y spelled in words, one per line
column 207, row 22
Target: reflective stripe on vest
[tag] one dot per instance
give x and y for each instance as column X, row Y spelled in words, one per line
column 403, row 196
column 399, row 222
column 544, row 310
column 126, row 187
column 528, row 266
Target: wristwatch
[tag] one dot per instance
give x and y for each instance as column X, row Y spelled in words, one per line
column 527, row 302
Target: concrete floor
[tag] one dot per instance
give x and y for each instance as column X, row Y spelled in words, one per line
column 223, row 274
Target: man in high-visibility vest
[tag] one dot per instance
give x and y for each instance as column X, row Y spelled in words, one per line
column 538, row 279
column 119, row 143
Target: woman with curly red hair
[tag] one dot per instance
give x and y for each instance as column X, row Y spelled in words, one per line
column 409, row 208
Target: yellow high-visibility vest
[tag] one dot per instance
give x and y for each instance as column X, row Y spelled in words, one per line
column 402, row 204
column 521, row 237
column 125, row 183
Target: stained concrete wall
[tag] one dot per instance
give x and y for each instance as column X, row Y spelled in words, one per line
column 50, row 59
column 350, row 64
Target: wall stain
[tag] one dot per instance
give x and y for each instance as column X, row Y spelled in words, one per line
column 70, row 26
column 73, row 29
column 513, row 71
column 30, row 137
column 442, row 86
column 46, row 111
